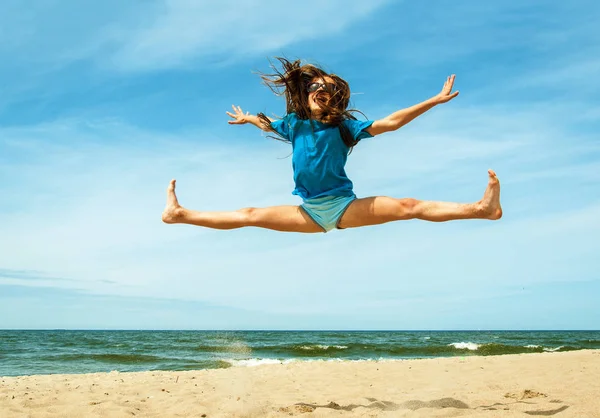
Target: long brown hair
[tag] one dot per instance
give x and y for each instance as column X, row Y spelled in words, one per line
column 293, row 82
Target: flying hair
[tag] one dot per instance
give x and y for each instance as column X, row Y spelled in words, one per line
column 292, row 83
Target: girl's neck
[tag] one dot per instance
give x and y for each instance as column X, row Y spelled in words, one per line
column 316, row 115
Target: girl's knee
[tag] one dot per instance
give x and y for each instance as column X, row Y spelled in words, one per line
column 407, row 207
column 250, row 216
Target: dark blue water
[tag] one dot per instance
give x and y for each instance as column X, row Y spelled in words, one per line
column 48, row 352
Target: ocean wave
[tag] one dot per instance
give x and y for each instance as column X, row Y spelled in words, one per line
column 323, row 347
column 391, row 353
column 354, row 351
column 465, row 346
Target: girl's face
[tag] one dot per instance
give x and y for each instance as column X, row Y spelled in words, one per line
column 320, row 90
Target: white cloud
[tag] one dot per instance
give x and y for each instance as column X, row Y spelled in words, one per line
column 187, row 30
column 165, row 33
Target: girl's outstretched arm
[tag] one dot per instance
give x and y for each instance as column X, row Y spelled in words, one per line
column 241, row 118
column 400, row 118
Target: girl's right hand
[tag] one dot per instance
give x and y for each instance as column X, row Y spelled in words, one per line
column 239, row 116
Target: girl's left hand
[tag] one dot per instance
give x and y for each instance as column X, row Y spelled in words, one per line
column 446, row 94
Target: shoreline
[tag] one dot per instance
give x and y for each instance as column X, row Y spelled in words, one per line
column 256, row 362
column 564, row 384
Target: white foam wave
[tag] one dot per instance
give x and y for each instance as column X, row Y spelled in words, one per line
column 322, row 347
column 532, row 346
column 465, row 346
column 257, row 362
column 553, row 349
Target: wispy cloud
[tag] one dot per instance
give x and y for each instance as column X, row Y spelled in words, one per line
column 27, row 275
column 43, row 47
column 167, row 33
column 186, row 31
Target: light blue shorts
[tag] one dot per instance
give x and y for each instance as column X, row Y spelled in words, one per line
column 328, row 210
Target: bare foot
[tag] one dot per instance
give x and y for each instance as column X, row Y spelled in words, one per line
column 173, row 211
column 490, row 204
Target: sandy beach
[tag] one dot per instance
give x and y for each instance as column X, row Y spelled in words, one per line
column 547, row 384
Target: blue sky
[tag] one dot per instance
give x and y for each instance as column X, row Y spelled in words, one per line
column 102, row 103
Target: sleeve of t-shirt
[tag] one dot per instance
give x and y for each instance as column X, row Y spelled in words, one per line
column 358, row 128
column 284, row 126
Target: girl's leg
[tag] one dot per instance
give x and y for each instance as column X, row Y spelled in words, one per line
column 279, row 218
column 381, row 209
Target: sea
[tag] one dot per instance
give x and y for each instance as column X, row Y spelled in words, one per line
column 29, row 352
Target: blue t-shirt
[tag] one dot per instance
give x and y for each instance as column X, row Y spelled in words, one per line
column 319, row 155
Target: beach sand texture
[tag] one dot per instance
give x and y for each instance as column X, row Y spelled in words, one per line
column 557, row 385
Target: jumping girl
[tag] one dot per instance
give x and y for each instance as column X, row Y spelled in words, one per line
column 323, row 131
